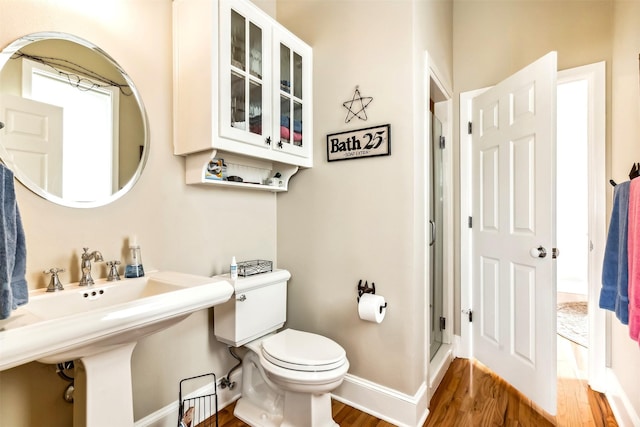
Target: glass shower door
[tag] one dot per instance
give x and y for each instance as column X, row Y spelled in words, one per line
column 436, row 237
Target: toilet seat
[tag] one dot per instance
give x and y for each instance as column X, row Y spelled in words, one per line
column 303, row 351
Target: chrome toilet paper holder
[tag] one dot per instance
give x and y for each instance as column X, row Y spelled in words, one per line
column 365, row 289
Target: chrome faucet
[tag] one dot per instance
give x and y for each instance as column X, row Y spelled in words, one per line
column 85, row 266
column 54, row 284
column 113, row 271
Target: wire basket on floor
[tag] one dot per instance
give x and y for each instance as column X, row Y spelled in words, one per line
column 198, row 402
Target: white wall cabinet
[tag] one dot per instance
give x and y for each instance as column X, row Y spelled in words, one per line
column 242, row 90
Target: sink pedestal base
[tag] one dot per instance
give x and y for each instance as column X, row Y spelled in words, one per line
column 103, row 395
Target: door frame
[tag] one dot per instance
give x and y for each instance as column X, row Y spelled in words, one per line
column 598, row 347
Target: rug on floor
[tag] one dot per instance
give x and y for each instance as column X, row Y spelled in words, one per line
column 573, row 322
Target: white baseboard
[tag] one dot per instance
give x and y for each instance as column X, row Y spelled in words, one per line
column 625, row 414
column 384, row 403
column 168, row 415
column 459, row 349
column 439, row 365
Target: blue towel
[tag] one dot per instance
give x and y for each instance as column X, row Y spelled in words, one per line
column 614, row 294
column 13, row 255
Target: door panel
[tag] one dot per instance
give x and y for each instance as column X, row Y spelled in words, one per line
column 514, row 199
column 489, row 299
column 33, row 139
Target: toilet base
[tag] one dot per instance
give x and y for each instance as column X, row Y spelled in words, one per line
column 264, row 404
column 254, row 415
column 300, row 409
column 306, row 409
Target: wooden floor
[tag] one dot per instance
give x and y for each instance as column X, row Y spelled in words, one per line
column 471, row 395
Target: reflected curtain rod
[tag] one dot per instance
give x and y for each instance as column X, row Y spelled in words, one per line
column 75, row 77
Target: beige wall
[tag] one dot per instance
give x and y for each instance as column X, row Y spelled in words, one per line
column 493, row 39
column 364, row 219
column 625, row 149
column 180, row 227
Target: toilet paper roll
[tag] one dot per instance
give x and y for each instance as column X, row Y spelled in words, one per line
column 369, row 308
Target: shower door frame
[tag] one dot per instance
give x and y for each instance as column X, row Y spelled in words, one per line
column 437, row 89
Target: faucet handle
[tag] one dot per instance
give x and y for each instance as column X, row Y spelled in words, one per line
column 54, row 284
column 113, row 271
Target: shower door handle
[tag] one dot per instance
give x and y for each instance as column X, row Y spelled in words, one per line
column 433, row 232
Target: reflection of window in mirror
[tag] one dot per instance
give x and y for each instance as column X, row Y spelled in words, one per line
column 89, row 123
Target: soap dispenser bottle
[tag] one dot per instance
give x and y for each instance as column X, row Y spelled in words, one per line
column 233, row 272
column 134, row 263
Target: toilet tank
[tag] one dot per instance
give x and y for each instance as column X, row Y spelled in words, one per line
column 257, row 307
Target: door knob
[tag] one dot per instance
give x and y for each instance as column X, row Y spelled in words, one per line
column 555, row 253
column 539, row 252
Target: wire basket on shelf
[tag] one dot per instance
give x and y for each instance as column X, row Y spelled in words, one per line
column 198, row 402
column 256, row 266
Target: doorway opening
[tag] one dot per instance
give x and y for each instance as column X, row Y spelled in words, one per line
column 572, row 212
column 580, row 222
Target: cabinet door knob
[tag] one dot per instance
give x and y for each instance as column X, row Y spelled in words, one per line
column 242, row 297
column 268, row 140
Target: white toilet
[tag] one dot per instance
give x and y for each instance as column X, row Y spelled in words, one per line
column 287, row 376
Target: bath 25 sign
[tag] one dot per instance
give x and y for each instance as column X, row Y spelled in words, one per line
column 357, row 144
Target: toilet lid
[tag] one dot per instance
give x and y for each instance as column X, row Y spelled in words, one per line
column 303, row 351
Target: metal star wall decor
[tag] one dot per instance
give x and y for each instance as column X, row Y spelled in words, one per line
column 357, row 106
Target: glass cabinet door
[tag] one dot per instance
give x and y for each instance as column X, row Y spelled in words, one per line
column 293, row 99
column 244, row 76
column 290, row 97
column 264, row 87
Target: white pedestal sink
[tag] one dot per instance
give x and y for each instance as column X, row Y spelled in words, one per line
column 100, row 326
column 103, row 394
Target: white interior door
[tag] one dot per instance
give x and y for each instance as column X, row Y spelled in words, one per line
column 513, row 280
column 32, row 138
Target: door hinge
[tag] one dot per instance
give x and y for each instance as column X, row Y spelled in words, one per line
column 469, row 128
column 469, row 313
column 470, row 222
column 443, row 323
column 442, row 142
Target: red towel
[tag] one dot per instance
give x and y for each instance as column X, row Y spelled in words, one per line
column 633, row 246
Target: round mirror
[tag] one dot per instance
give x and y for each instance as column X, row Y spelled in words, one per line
column 73, row 128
